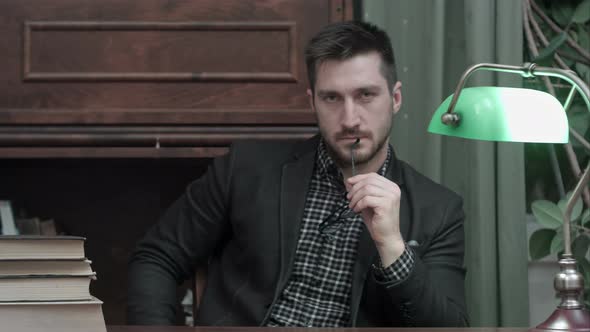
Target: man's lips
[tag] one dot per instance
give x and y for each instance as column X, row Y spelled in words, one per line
column 353, row 138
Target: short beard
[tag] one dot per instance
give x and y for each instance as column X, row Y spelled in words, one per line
column 344, row 161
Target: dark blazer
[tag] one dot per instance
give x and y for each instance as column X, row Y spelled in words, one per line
column 243, row 217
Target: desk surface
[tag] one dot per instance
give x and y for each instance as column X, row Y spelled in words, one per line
column 268, row 329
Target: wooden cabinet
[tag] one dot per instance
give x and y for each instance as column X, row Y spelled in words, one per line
column 117, row 78
column 109, row 108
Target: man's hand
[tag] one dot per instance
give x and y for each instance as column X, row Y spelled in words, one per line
column 378, row 200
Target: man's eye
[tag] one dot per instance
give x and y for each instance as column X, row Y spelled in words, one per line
column 367, row 95
column 330, row 98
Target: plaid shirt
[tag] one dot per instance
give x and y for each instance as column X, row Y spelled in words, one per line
column 318, row 291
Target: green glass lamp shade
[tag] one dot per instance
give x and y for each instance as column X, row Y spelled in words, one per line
column 504, row 114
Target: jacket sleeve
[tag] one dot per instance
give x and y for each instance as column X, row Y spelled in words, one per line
column 433, row 293
column 184, row 237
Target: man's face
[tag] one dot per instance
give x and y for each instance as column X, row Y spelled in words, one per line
column 352, row 100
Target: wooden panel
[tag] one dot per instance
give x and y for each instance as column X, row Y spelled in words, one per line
column 162, row 116
column 110, row 153
column 156, row 62
column 150, row 136
column 341, row 10
column 128, row 51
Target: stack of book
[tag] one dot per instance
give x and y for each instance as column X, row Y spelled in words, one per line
column 45, row 285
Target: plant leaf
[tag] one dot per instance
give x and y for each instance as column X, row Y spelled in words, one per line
column 583, row 71
column 576, row 210
column 562, row 11
column 582, row 12
column 547, row 214
column 580, row 247
column 585, row 217
column 540, row 242
column 583, row 36
column 557, row 243
column 579, row 121
column 547, row 52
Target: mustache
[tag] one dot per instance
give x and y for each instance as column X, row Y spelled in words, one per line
column 351, row 133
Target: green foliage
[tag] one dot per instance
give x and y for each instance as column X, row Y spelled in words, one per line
column 549, row 239
column 562, row 11
column 570, row 46
column 580, row 247
column 545, row 57
column 576, row 210
column 557, row 242
column 582, row 13
column 547, row 213
column 540, row 243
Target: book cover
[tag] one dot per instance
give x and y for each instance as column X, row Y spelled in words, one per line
column 22, row 247
column 69, row 316
column 45, row 268
column 45, row 288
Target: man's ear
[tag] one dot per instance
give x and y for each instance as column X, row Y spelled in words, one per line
column 311, row 102
column 396, row 93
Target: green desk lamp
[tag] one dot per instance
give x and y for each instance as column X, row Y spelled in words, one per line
column 524, row 115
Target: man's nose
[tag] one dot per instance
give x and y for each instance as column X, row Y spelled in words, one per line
column 350, row 114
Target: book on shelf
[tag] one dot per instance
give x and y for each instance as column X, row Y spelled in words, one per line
column 45, row 268
column 47, row 227
column 35, row 226
column 45, row 288
column 63, row 316
column 28, row 226
column 8, row 226
column 39, row 247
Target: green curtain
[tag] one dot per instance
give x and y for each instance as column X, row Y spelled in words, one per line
column 435, row 41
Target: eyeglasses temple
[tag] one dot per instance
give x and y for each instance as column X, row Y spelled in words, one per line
column 352, row 147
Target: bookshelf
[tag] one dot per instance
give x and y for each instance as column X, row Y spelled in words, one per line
column 111, row 202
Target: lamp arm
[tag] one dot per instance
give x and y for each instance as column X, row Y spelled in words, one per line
column 453, row 118
column 526, row 70
column 568, row 76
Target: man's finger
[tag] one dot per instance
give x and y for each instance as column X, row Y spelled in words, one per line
column 369, row 190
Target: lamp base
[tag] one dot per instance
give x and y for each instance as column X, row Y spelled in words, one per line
column 566, row 320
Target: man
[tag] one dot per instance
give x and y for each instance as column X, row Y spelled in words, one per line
column 334, row 231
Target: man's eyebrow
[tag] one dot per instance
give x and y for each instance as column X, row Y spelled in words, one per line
column 369, row 88
column 326, row 92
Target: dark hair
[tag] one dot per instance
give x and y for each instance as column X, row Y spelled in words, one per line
column 344, row 40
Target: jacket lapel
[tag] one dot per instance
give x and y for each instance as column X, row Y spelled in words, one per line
column 296, row 176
